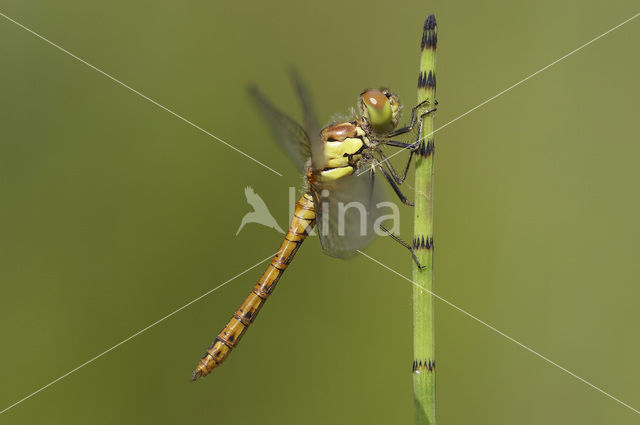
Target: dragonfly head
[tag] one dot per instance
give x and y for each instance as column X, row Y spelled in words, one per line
column 380, row 109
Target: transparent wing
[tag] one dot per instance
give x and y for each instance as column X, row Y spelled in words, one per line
column 310, row 120
column 348, row 211
column 290, row 135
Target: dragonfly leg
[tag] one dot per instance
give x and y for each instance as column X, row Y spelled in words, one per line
column 403, row 145
column 404, row 244
column 396, row 144
column 372, row 178
column 413, row 147
column 393, row 171
column 412, row 121
column 393, row 184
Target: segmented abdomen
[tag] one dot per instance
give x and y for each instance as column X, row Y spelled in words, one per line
column 303, row 220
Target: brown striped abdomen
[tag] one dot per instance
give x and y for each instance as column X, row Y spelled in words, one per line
column 304, row 218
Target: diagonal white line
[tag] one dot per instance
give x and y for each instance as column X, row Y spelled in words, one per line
column 546, row 359
column 262, row 261
column 577, row 49
column 91, row 360
column 197, row 127
column 536, row 73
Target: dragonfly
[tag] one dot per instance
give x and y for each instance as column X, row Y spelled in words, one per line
column 339, row 163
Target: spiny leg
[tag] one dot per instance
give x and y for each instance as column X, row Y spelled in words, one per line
column 403, row 243
column 403, row 145
column 392, row 182
column 392, row 169
column 414, row 147
column 395, row 143
column 372, row 179
column 412, row 121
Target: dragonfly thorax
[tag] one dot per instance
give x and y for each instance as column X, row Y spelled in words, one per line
column 344, row 144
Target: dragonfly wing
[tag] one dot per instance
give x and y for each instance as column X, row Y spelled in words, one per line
column 290, row 135
column 310, row 121
column 347, row 213
column 309, row 118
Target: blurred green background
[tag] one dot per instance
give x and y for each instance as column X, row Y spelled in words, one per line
column 113, row 213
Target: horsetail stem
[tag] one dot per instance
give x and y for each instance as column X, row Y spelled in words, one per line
column 424, row 388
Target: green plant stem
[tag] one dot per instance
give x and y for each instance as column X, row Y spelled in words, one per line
column 424, row 380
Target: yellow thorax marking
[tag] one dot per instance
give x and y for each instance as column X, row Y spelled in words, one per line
column 340, row 161
column 348, row 146
column 336, row 173
column 341, row 156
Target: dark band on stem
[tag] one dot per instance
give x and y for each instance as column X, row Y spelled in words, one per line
column 429, row 35
column 423, row 243
column 427, row 81
column 425, row 149
column 420, row 366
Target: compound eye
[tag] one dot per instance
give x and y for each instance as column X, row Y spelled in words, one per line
column 375, row 99
column 377, row 108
